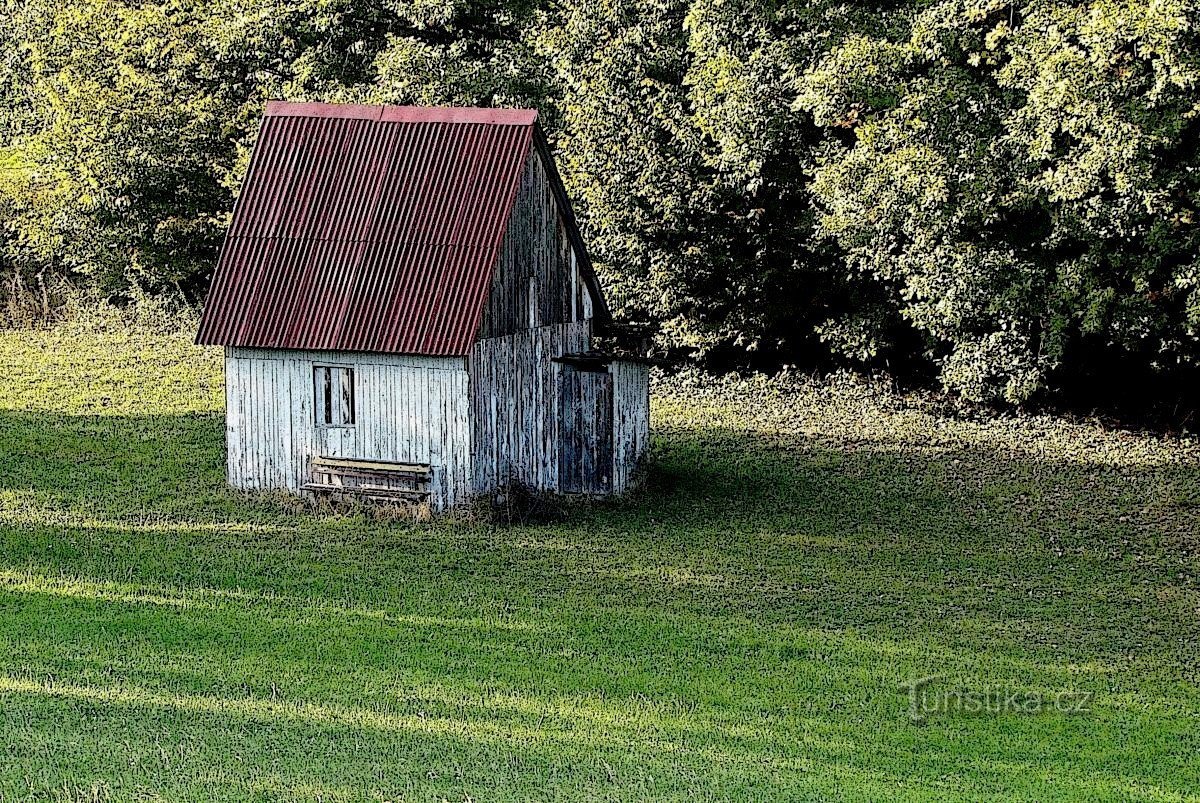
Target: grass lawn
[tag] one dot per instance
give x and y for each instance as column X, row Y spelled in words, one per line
column 738, row 631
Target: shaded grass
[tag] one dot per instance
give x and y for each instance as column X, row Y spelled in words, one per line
column 737, row 630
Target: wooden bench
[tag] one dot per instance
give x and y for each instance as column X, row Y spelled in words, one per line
column 382, row 480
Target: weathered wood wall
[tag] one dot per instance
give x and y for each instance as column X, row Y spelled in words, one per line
column 631, row 422
column 537, row 279
column 514, row 392
column 543, row 424
column 538, row 308
column 410, row 409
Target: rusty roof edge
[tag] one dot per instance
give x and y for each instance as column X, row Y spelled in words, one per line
column 235, row 285
column 204, row 337
column 603, row 315
column 457, row 114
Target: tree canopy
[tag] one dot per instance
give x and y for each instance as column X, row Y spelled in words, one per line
column 999, row 194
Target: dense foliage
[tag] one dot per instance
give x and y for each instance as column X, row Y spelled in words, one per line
column 1003, row 192
column 1024, row 180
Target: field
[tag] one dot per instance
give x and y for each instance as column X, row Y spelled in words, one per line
column 740, row 630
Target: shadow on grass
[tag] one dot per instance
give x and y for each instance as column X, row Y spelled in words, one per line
column 1038, row 553
column 738, row 626
column 506, row 746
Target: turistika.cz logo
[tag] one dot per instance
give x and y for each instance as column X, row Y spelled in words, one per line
column 926, row 698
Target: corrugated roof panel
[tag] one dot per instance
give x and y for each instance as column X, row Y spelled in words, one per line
column 371, row 228
column 367, row 228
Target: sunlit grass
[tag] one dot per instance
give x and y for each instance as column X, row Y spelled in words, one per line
column 738, row 630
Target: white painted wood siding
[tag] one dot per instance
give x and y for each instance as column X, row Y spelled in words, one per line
column 411, row 409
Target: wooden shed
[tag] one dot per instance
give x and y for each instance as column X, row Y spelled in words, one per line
column 408, row 311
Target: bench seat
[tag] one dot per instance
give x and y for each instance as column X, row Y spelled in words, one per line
column 381, row 480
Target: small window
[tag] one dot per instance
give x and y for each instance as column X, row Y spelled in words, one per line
column 334, row 395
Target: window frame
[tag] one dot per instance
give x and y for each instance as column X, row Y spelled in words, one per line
column 323, row 395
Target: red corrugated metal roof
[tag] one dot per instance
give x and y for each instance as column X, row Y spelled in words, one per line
column 370, row 228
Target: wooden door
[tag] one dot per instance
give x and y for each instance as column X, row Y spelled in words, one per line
column 585, row 404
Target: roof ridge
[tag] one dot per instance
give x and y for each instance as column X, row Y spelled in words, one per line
column 402, row 114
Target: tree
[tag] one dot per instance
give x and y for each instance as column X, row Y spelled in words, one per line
column 119, row 142
column 1022, row 179
column 1005, row 191
column 130, row 124
column 679, row 138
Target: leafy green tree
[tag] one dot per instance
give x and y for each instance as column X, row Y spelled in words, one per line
column 117, row 140
column 130, row 123
column 1023, row 180
column 679, row 138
